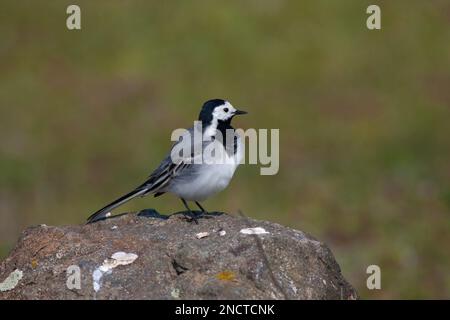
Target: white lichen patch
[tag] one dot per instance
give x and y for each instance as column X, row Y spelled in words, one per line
column 257, row 230
column 11, row 281
column 117, row 259
column 175, row 293
column 123, row 258
column 292, row 286
column 202, row 235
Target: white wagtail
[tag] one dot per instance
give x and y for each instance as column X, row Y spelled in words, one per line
column 185, row 177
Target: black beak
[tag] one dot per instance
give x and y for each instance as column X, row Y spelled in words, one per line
column 237, row 112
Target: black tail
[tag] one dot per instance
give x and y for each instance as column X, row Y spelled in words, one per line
column 101, row 214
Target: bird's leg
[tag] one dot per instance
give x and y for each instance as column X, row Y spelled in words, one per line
column 201, row 208
column 204, row 213
column 191, row 214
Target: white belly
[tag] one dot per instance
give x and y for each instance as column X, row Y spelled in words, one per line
column 210, row 179
column 213, row 179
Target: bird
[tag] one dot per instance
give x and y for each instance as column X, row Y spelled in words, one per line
column 184, row 175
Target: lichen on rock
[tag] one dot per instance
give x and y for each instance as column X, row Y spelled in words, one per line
column 251, row 260
column 11, row 281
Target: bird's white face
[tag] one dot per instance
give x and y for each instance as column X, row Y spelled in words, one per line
column 224, row 112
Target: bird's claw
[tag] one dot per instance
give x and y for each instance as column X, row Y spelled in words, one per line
column 191, row 217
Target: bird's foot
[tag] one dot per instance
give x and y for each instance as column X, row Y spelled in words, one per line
column 190, row 217
column 194, row 216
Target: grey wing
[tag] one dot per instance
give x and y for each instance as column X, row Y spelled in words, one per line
column 172, row 167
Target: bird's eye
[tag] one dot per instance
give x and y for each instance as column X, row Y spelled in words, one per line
column 226, row 109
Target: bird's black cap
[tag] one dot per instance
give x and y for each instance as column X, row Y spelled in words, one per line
column 208, row 108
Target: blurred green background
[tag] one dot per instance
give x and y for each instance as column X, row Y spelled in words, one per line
column 363, row 116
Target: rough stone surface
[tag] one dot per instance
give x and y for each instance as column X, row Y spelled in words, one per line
column 172, row 261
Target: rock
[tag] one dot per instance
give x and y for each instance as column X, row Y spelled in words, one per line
column 155, row 257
